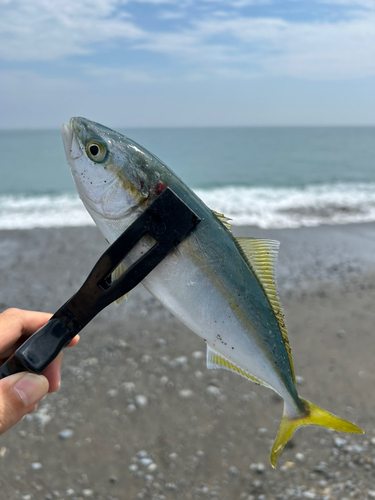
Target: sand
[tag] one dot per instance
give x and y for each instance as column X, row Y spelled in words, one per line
column 139, row 416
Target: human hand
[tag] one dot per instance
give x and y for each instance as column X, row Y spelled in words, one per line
column 21, row 392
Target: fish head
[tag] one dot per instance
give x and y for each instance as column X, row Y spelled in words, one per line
column 115, row 177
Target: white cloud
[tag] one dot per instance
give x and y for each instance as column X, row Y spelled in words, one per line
column 121, row 75
column 368, row 4
column 167, row 15
column 240, row 3
column 225, row 46
column 271, row 46
column 45, row 30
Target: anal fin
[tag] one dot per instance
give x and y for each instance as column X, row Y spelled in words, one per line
column 215, row 360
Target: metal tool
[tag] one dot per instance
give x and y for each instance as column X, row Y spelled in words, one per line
column 168, row 220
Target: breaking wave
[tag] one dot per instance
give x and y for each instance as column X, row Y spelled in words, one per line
column 265, row 207
column 29, row 212
column 294, row 207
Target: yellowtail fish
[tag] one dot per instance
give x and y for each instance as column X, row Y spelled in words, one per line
column 221, row 287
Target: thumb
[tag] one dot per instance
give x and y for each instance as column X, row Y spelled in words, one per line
column 19, row 393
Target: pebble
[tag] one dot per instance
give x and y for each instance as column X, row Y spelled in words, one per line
column 198, row 374
column 262, row 431
column 112, row 393
column 133, row 467
column 121, row 343
column 180, row 361
column 300, row 380
column 70, row 492
column 300, row 457
column 233, row 471
column 112, row 479
column 185, row 393
column 309, row 494
column 66, row 434
column 88, row 362
column 142, row 454
column 339, row 442
column 197, row 355
column 213, row 391
column 145, row 461
column 131, row 408
column 36, row 465
column 161, row 342
column 341, row 334
column 321, row 467
column 152, row 467
column 173, row 456
column 141, row 401
column 128, row 386
column 87, row 492
column 260, row 467
column 171, row 486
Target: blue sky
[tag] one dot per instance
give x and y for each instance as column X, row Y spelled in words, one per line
column 187, row 62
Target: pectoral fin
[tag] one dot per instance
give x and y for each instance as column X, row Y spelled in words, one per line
column 120, row 269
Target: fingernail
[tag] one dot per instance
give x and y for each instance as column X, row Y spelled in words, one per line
column 31, row 388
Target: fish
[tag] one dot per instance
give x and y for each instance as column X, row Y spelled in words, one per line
column 221, row 287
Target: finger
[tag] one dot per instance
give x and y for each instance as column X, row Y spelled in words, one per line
column 19, row 393
column 74, row 342
column 52, row 373
column 17, row 322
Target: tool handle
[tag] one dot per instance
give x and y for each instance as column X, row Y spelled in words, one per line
column 39, row 350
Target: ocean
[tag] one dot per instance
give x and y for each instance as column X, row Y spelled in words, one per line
column 271, row 177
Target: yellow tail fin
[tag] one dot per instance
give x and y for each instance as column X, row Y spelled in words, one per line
column 314, row 416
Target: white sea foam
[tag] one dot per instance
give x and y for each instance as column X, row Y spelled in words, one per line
column 17, row 212
column 294, row 207
column 263, row 207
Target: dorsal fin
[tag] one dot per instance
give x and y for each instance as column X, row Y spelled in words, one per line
column 224, row 220
column 215, row 360
column 261, row 256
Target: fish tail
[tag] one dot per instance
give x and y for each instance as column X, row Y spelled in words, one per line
column 313, row 416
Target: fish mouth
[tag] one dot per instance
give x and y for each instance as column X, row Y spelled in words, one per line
column 73, row 149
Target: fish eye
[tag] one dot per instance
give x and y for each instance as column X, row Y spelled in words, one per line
column 96, row 151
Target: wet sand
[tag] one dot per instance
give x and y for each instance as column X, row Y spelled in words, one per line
column 139, row 416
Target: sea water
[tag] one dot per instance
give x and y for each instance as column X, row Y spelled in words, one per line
column 266, row 176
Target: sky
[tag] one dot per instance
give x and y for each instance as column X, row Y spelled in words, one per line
column 175, row 63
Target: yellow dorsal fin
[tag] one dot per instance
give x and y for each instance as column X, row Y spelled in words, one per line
column 215, row 360
column 261, row 255
column 224, row 220
column 120, row 269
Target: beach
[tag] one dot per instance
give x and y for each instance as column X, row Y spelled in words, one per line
column 139, row 416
